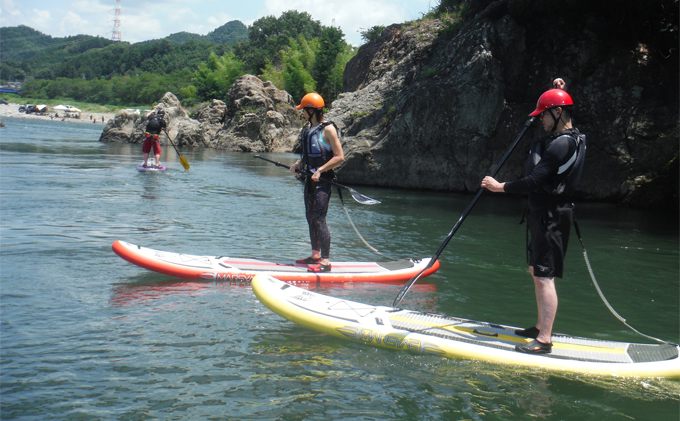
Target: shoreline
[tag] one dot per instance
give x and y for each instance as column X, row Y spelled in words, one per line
column 12, row 110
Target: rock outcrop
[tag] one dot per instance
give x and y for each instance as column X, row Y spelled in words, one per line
column 433, row 110
column 257, row 118
column 435, row 105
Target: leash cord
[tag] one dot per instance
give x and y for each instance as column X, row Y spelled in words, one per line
column 355, row 228
column 599, row 291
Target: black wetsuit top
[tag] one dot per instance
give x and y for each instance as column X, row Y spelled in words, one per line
column 543, row 183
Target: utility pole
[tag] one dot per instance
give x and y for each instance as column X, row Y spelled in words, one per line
column 116, row 36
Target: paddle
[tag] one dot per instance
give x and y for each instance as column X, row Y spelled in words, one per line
column 183, row 161
column 406, row 287
column 360, row 198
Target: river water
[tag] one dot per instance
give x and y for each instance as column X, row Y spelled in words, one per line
column 85, row 335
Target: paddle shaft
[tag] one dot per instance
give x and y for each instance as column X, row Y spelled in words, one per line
column 351, row 190
column 448, row 238
column 184, row 162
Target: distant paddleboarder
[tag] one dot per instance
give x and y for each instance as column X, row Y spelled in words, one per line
column 552, row 172
column 155, row 124
column 321, row 152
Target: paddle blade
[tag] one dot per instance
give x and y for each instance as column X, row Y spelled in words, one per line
column 184, row 162
column 363, row 199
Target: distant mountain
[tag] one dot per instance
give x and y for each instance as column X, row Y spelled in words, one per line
column 230, row 33
column 22, row 42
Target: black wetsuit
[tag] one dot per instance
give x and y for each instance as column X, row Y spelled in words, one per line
column 552, row 175
column 315, row 153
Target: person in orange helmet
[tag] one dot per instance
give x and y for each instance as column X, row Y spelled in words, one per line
column 553, row 171
column 321, row 152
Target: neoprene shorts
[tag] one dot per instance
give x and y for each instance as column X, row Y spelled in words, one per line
column 549, row 229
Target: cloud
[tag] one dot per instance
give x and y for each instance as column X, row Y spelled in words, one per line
column 350, row 15
column 71, row 23
column 41, row 17
column 219, row 20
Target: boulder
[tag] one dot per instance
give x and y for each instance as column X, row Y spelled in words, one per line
column 259, row 118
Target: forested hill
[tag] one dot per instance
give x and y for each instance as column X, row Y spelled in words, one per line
column 293, row 51
column 21, row 43
column 229, row 33
column 25, row 51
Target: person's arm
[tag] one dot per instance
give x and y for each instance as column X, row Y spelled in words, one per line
column 555, row 155
column 551, row 160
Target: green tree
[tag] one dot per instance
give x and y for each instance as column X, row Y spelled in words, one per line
column 335, row 86
column 215, row 76
column 294, row 73
column 372, row 33
column 331, row 44
column 296, row 76
column 269, row 35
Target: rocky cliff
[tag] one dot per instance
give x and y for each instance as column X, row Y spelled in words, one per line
column 436, row 108
column 435, row 104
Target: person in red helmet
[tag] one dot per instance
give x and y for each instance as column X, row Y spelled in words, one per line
column 553, row 170
column 321, row 152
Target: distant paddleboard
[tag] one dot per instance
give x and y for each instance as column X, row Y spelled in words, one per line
column 451, row 337
column 151, row 166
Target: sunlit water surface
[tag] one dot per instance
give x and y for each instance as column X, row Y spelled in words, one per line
column 86, row 335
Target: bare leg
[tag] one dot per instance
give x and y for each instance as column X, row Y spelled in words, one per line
column 546, row 298
column 538, row 300
column 146, row 159
column 158, row 160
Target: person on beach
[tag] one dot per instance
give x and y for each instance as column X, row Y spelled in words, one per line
column 321, row 152
column 553, row 171
column 155, row 124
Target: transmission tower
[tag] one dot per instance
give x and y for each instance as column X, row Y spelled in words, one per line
column 115, row 34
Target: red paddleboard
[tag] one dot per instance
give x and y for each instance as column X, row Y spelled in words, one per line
column 235, row 269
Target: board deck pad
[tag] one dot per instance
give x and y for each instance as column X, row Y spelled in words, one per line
column 222, row 268
column 453, row 337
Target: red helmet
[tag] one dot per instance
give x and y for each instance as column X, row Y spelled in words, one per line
column 550, row 99
column 312, row 100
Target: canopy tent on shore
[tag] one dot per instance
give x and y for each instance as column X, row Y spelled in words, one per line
column 67, row 108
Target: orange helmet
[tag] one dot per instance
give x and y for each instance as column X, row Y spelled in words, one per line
column 311, row 100
column 550, row 99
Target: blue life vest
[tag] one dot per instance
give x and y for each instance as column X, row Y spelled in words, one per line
column 315, row 150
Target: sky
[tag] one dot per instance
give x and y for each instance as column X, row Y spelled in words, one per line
column 142, row 20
